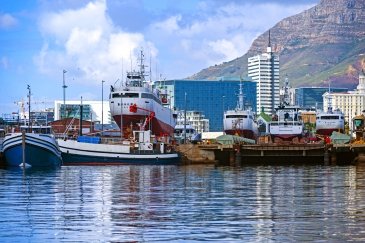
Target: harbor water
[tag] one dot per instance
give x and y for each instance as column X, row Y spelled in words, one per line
column 183, row 204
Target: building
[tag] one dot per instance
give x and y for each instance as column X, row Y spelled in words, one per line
column 264, row 70
column 92, row 110
column 312, row 97
column 71, row 127
column 211, row 97
column 351, row 103
column 195, row 118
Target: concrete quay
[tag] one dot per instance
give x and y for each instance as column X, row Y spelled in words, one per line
column 272, row 154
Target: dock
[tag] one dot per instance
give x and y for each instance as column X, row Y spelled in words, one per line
column 272, row 154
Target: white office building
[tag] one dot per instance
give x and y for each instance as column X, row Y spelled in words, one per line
column 195, row 118
column 264, row 70
column 351, row 103
column 92, row 110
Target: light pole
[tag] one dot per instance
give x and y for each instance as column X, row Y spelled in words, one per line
column 64, row 92
column 223, row 109
column 185, row 121
column 102, row 107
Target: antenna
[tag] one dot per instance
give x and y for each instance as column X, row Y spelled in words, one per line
column 269, row 39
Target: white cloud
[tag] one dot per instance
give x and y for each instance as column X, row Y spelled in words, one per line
column 87, row 44
column 4, row 62
column 91, row 47
column 7, row 21
column 216, row 35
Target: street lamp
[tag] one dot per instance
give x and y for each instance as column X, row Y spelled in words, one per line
column 64, row 86
column 185, row 121
column 223, row 108
column 102, row 107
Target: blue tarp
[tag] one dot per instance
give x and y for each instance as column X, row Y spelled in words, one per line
column 87, row 139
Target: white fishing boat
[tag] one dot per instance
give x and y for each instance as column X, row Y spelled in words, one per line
column 147, row 103
column 100, row 151
column 240, row 121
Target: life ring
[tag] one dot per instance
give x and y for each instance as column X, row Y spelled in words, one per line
column 149, row 146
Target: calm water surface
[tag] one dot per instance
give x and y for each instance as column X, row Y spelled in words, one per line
column 183, row 203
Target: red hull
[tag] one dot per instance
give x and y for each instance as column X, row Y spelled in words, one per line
column 242, row 133
column 286, row 137
column 328, row 132
column 130, row 123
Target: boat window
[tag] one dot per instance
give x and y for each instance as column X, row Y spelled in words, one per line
column 236, row 116
column 151, row 96
column 131, row 95
column 116, row 95
column 125, row 95
column 329, row 117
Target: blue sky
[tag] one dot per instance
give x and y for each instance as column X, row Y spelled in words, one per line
column 95, row 40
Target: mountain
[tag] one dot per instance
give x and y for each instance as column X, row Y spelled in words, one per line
column 325, row 42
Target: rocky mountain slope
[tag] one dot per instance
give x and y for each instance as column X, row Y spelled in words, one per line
column 326, row 42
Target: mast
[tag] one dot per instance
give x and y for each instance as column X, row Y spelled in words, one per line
column 329, row 97
column 286, row 98
column 29, row 115
column 240, row 97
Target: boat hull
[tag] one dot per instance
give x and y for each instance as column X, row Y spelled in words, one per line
column 78, row 153
column 241, row 123
column 130, row 123
column 40, row 151
column 242, row 133
column 328, row 131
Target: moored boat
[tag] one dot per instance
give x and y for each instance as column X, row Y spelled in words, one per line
column 148, row 102
column 240, row 121
column 38, row 144
column 138, row 151
column 330, row 121
column 286, row 124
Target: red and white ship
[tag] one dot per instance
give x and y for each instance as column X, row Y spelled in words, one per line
column 286, row 124
column 330, row 121
column 136, row 102
column 240, row 121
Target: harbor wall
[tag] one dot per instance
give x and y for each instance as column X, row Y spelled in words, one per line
column 294, row 154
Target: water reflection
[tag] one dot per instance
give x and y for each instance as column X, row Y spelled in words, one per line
column 187, row 203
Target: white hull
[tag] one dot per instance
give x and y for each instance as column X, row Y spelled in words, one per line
column 163, row 121
column 287, row 124
column 240, row 122
column 327, row 122
column 80, row 153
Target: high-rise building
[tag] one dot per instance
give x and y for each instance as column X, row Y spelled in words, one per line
column 264, row 70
